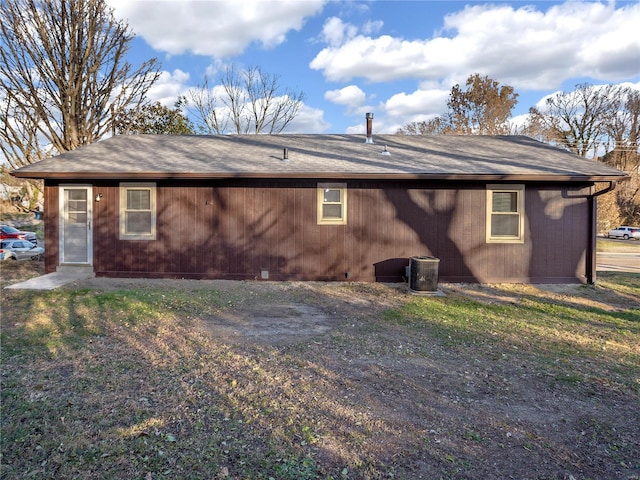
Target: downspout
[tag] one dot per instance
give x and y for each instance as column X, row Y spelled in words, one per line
column 593, row 231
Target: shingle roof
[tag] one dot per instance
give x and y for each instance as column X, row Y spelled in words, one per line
column 320, row 156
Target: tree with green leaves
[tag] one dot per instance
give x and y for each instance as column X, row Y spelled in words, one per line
column 154, row 119
column 63, row 76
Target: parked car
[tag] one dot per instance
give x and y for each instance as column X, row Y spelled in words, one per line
column 625, row 232
column 20, row 250
column 8, row 232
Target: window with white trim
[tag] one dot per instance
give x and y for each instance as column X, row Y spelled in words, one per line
column 505, row 214
column 332, row 203
column 137, row 211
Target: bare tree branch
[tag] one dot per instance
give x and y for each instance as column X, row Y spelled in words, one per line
column 248, row 101
column 577, row 120
column 435, row 126
column 623, row 130
column 62, row 66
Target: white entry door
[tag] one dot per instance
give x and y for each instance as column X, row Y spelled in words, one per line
column 76, row 218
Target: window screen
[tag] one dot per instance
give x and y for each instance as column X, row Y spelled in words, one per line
column 137, row 211
column 505, row 213
column 332, row 203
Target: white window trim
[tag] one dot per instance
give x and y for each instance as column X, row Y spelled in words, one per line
column 124, row 187
column 343, row 202
column 508, row 188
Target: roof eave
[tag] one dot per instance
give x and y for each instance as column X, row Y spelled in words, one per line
column 124, row 176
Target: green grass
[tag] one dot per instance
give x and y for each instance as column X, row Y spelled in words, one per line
column 610, row 246
column 58, row 320
column 556, row 336
column 130, row 384
column 149, row 356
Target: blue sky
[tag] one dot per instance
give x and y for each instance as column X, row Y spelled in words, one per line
column 397, row 59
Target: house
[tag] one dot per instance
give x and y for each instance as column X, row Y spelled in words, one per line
column 323, row 207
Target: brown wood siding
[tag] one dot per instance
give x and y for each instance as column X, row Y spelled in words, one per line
column 51, row 229
column 236, row 230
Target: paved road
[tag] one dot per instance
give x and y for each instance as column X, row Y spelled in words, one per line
column 618, row 262
column 624, row 257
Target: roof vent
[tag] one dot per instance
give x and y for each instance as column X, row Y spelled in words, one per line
column 385, row 151
column 369, row 117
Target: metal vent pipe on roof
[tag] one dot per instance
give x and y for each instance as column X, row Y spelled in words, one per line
column 369, row 117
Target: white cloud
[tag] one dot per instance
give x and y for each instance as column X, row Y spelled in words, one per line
column 372, row 27
column 336, row 32
column 424, row 103
column 168, row 87
column 402, row 108
column 356, row 129
column 308, row 120
column 378, row 60
column 220, row 29
column 519, row 121
column 351, row 96
column 523, row 47
column 381, row 125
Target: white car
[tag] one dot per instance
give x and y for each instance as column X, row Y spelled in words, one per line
column 20, row 250
column 625, row 232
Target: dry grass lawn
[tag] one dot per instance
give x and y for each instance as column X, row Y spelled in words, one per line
column 267, row 380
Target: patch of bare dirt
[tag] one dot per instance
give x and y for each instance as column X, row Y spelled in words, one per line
column 354, row 298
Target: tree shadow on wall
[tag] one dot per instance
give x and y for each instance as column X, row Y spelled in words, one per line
column 559, row 236
column 215, row 239
column 431, row 220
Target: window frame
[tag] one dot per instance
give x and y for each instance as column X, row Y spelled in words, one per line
column 342, row 188
column 125, row 187
column 519, row 190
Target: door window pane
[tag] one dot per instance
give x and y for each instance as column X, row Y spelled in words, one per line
column 75, row 228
